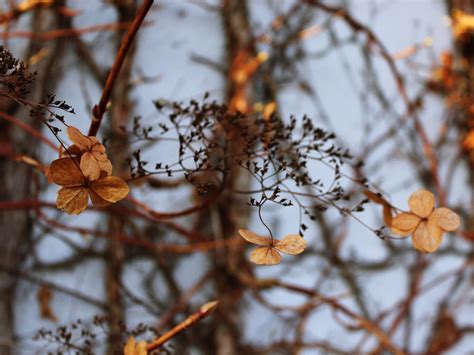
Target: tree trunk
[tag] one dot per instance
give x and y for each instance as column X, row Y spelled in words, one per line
column 17, row 181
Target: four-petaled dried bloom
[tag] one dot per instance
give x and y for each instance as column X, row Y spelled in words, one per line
column 426, row 223
column 134, row 348
column 267, row 253
column 77, row 189
column 93, row 157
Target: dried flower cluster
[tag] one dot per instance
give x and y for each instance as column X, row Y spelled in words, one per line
column 267, row 253
column 14, row 78
column 85, row 173
column 426, row 223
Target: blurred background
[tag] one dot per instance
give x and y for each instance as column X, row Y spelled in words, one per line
column 391, row 80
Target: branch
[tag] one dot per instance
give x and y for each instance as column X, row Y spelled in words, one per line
column 203, row 312
column 99, row 109
column 357, row 26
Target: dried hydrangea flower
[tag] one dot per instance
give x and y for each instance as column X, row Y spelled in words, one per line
column 267, row 253
column 134, row 348
column 426, row 223
column 92, row 153
column 76, row 189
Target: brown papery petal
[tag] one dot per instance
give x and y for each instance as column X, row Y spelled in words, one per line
column 90, row 166
column 254, row 238
column 291, row 244
column 82, row 141
column 66, row 172
column 265, row 256
column 445, row 219
column 404, row 224
column 375, row 197
column 106, row 166
column 129, row 348
column 110, row 188
column 421, row 203
column 134, row 348
column 72, row 200
column 387, row 215
column 99, row 150
column 98, row 201
column 427, row 237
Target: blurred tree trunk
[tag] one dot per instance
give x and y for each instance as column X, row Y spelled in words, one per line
column 464, row 46
column 17, row 181
column 224, row 218
column 120, row 112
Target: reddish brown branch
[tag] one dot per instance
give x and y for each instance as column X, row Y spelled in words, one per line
column 384, row 53
column 64, row 32
column 99, row 109
column 203, row 312
column 28, row 129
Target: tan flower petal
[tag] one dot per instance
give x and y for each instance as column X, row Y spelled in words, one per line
column 445, row 219
column 254, row 238
column 111, row 188
column 404, row 224
column 72, row 150
column 90, row 166
column 99, row 150
column 72, row 200
column 134, row 348
column 80, row 140
column 291, row 244
column 387, row 215
column 106, row 166
column 129, row 348
column 265, row 256
column 98, row 201
column 66, row 172
column 421, row 203
column 427, row 237
column 141, row 348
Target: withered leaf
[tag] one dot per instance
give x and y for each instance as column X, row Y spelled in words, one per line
column 45, row 296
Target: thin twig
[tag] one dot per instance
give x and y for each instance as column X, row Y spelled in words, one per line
column 203, row 312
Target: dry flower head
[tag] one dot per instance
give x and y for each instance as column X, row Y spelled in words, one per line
column 268, row 252
column 93, row 159
column 426, row 223
column 134, row 348
column 76, row 189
